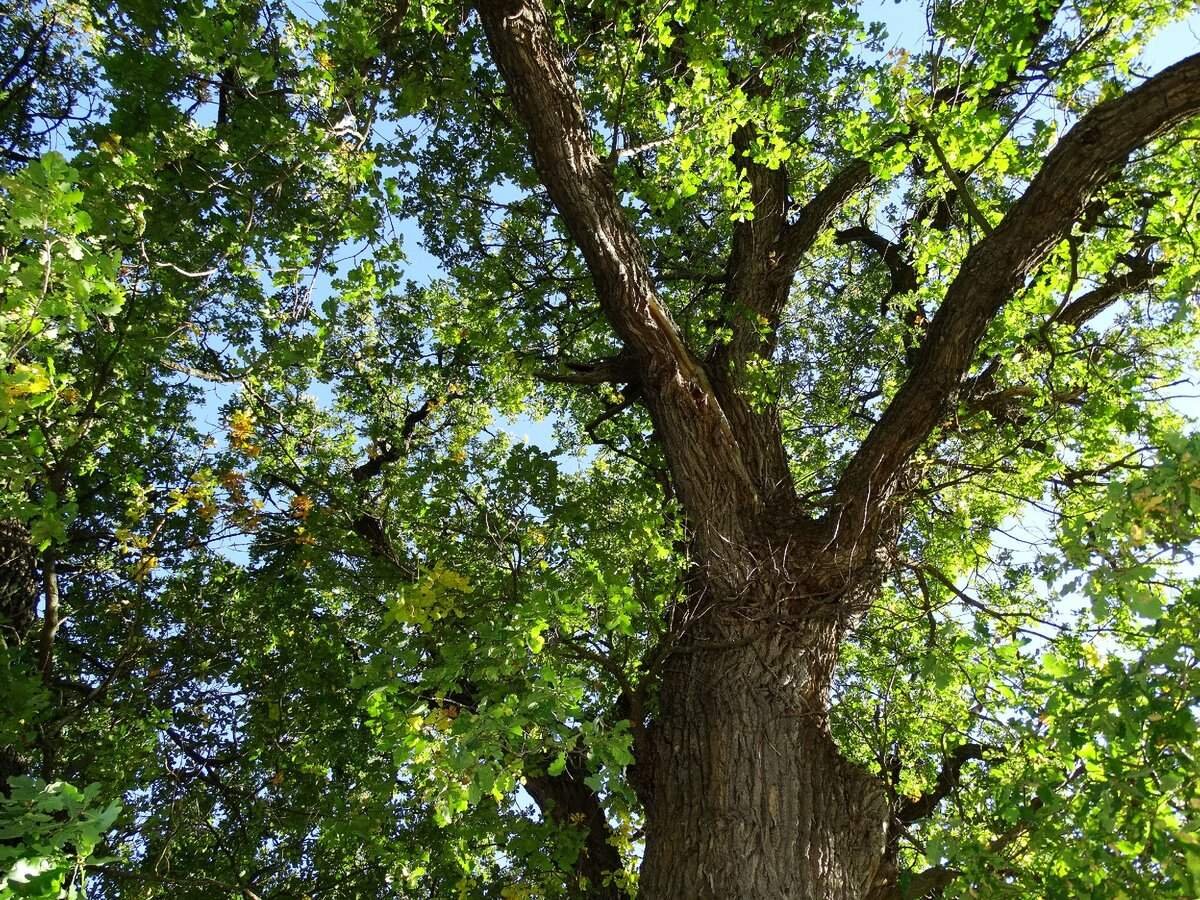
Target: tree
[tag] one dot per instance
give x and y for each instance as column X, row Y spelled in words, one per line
column 830, row 332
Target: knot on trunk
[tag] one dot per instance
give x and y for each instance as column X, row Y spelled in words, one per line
column 786, row 575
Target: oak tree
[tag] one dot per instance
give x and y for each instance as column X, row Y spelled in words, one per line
column 852, row 561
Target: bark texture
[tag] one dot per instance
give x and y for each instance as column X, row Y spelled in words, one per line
column 1087, row 156
column 565, row 799
column 750, row 797
column 706, row 465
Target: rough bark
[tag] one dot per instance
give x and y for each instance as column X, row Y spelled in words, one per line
column 995, row 269
column 706, row 462
column 750, row 797
column 763, row 260
column 566, row 799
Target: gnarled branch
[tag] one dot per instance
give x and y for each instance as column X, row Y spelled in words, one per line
column 1089, row 305
column 947, row 780
column 995, row 269
column 619, row 369
column 566, row 800
column 706, row 462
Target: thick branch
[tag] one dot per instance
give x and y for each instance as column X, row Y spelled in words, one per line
column 756, row 286
column 370, row 528
column 567, row 801
column 926, row 883
column 756, row 290
column 560, row 141
column 704, row 456
column 764, row 256
column 947, row 780
column 391, row 453
column 762, row 264
column 817, row 213
column 619, row 369
column 1087, row 306
column 997, row 267
column 904, row 276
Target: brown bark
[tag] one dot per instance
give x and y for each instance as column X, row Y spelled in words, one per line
column 701, row 449
column 567, row 800
column 995, row 269
column 1089, row 305
column 763, row 260
column 750, row 797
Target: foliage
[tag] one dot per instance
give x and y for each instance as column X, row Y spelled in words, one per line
column 57, row 828
column 329, row 628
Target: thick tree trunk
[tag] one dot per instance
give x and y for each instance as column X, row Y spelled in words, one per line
column 748, row 796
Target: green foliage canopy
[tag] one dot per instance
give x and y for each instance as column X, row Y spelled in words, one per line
column 324, row 628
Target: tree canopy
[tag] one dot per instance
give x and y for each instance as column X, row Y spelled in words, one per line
column 859, row 375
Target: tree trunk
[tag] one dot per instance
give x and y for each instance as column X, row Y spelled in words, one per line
column 748, row 796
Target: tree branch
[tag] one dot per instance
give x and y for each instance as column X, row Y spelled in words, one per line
column 764, row 258
column 51, row 620
column 1087, row 306
column 927, row 883
column 567, row 801
column 619, row 369
column 960, row 184
column 995, row 269
column 390, row 453
column 817, row 213
column 762, row 265
column 947, row 781
column 712, row 480
column 560, row 141
column 904, row 276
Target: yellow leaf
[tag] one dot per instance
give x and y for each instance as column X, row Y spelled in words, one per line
column 241, row 426
column 143, row 567
column 301, row 506
column 28, row 380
